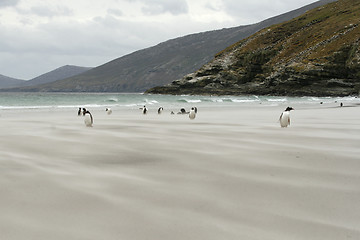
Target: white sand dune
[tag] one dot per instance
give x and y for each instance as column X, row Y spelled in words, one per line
column 232, row 173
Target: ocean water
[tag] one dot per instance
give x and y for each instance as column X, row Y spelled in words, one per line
column 135, row 100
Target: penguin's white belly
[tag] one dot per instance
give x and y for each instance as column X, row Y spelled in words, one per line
column 192, row 114
column 88, row 120
column 285, row 119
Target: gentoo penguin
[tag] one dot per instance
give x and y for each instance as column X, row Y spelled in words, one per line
column 108, row 111
column 144, row 110
column 88, row 120
column 160, row 110
column 285, row 117
column 182, row 111
column 83, row 111
column 195, row 109
column 192, row 113
column 79, row 112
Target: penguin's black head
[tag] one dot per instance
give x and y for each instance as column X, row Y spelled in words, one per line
column 288, row 109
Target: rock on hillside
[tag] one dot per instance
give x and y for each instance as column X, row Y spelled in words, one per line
column 315, row 54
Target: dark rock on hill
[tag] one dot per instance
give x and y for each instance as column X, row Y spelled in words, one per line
column 315, row 54
column 162, row 63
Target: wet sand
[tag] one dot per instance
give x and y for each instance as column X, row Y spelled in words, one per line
column 232, row 173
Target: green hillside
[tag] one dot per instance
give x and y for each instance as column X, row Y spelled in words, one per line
column 314, row 54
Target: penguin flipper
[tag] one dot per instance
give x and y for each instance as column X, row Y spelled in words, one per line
column 281, row 116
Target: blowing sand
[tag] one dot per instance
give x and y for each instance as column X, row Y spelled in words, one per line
column 232, row 173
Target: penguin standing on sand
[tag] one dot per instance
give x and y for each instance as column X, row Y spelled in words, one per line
column 144, row 110
column 83, row 111
column 108, row 111
column 79, row 111
column 285, row 117
column 192, row 113
column 160, row 110
column 88, row 120
column 182, row 111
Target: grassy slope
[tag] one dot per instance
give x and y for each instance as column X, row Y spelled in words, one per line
column 297, row 57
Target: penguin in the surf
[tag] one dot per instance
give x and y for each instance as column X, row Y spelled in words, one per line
column 285, row 117
column 88, row 120
column 192, row 113
column 160, row 110
column 108, row 111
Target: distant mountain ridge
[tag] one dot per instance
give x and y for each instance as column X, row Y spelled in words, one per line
column 315, row 54
column 54, row 75
column 57, row 74
column 7, row 82
column 163, row 63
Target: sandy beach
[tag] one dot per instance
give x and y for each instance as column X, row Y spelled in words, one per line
column 231, row 173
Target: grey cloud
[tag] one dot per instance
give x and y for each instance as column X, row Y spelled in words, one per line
column 211, row 7
column 8, row 3
column 258, row 10
column 115, row 12
column 45, row 11
column 155, row 7
column 49, row 12
column 253, row 11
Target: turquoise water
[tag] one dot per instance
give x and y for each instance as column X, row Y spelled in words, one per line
column 121, row 100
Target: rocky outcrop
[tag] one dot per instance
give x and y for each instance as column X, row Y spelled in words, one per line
column 316, row 54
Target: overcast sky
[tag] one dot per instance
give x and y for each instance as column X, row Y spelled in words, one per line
column 38, row 36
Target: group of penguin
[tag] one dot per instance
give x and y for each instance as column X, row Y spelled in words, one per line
column 192, row 113
column 89, row 120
